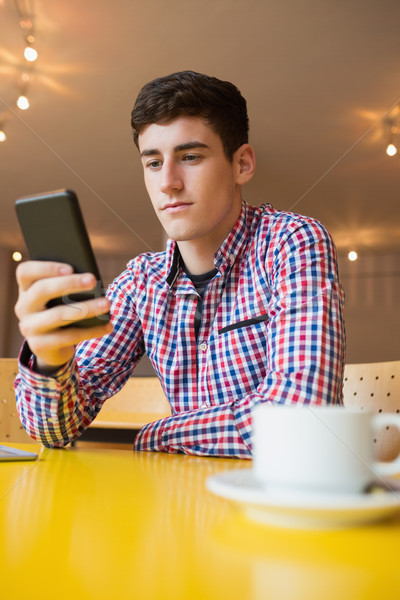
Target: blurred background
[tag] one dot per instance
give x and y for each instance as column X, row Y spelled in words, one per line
column 322, row 81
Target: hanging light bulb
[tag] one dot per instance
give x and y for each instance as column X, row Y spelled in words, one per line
column 30, row 54
column 25, row 22
column 23, row 102
column 391, row 150
column 17, row 256
column 3, row 136
column 352, row 255
column 391, row 125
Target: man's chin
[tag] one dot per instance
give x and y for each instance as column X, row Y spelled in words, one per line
column 182, row 235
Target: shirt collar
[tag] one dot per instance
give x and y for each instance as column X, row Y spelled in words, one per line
column 229, row 251
column 172, row 262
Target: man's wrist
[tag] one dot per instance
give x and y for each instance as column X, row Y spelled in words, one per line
column 45, row 369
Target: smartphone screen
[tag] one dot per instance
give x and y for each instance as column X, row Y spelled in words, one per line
column 53, row 228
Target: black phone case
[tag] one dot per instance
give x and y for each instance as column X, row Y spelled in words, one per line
column 53, row 228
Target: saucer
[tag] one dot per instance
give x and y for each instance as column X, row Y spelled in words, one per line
column 302, row 510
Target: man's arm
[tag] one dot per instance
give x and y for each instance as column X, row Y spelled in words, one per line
column 55, row 409
column 50, row 346
column 305, row 353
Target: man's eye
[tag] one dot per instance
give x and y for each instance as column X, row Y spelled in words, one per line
column 154, row 164
column 191, row 157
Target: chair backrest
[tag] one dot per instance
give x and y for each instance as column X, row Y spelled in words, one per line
column 376, row 387
column 11, row 429
column 140, row 401
column 139, row 394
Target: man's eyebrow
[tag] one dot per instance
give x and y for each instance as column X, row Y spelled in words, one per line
column 190, row 146
column 179, row 148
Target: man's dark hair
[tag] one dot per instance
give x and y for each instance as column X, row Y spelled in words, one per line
column 192, row 94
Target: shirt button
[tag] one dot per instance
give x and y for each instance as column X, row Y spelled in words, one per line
column 203, row 406
column 232, row 258
column 203, row 346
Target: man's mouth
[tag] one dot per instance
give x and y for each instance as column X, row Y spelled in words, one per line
column 175, row 207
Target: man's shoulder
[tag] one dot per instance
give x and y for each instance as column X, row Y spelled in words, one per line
column 282, row 222
column 147, row 260
column 148, row 265
column 268, row 214
column 140, row 268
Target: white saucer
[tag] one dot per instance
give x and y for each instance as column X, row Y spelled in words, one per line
column 301, row 510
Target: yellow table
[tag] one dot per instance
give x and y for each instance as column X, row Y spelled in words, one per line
column 96, row 524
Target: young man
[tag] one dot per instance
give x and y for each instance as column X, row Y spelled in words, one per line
column 244, row 306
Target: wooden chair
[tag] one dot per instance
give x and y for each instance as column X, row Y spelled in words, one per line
column 11, row 429
column 140, row 401
column 376, row 387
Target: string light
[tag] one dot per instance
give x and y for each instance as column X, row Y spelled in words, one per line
column 30, row 54
column 17, row 256
column 23, row 102
column 25, row 14
column 391, row 150
column 352, row 255
column 392, row 129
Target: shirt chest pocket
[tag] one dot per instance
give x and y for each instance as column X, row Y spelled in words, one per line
column 245, row 341
column 245, row 323
column 242, row 354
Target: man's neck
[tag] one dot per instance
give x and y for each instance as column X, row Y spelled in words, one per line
column 198, row 254
column 196, row 257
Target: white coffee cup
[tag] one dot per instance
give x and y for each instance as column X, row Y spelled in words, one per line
column 318, row 449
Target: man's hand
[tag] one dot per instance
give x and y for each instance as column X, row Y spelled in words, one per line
column 44, row 328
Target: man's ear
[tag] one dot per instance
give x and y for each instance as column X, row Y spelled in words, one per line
column 245, row 162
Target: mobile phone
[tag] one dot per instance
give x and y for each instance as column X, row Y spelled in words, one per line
column 53, row 229
column 7, row 453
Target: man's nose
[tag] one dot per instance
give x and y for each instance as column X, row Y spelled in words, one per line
column 171, row 177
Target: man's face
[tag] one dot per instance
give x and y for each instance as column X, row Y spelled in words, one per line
column 191, row 184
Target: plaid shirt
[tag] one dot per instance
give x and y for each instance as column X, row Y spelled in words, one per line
column 271, row 330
